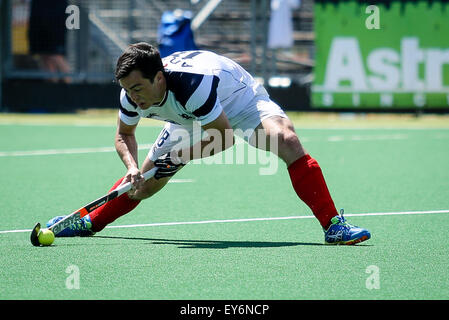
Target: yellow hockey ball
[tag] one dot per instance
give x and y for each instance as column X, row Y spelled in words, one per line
column 46, row 237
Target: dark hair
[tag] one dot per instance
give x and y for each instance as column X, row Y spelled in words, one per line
column 139, row 56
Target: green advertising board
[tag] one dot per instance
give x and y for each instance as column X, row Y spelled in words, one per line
column 393, row 54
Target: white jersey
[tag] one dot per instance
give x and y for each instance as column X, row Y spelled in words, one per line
column 200, row 85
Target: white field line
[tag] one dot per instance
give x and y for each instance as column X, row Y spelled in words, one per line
column 63, row 151
column 159, row 124
column 7, row 122
column 254, row 219
column 368, row 137
column 181, row 181
column 148, row 146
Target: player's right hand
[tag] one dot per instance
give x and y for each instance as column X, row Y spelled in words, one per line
column 135, row 177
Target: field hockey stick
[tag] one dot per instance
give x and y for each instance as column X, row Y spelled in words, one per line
column 82, row 212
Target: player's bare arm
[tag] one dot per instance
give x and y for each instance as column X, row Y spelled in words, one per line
column 221, row 129
column 126, row 146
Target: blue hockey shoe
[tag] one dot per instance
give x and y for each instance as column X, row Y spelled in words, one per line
column 82, row 228
column 341, row 232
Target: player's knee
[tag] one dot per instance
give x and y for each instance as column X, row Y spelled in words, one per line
column 288, row 139
column 290, row 148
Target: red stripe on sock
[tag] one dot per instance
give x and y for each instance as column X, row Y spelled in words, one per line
column 112, row 210
column 310, row 186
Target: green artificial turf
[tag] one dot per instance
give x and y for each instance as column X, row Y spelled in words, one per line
column 223, row 231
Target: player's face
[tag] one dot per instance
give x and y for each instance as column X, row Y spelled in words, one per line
column 141, row 91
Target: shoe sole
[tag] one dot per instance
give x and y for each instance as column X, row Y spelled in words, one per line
column 350, row 242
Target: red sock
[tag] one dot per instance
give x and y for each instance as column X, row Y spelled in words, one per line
column 112, row 210
column 308, row 182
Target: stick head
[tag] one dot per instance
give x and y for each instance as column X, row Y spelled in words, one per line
column 34, row 237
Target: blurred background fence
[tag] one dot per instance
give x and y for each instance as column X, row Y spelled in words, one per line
column 59, row 55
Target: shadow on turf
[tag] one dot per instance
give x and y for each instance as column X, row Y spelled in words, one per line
column 212, row 244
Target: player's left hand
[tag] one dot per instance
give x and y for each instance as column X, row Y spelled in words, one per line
column 167, row 167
